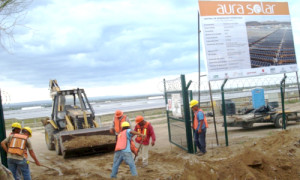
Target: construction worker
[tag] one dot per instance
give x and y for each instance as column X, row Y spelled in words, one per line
column 119, row 117
column 145, row 128
column 199, row 126
column 16, row 129
column 18, row 144
column 123, row 150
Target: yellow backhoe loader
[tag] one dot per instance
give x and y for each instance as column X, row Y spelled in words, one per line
column 72, row 130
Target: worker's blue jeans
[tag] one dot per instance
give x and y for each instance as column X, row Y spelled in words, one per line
column 199, row 139
column 118, row 159
column 14, row 164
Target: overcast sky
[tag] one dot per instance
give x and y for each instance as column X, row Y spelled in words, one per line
column 108, row 47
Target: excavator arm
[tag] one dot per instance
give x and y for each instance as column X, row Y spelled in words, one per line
column 53, row 87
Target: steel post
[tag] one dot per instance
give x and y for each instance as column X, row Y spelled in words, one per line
column 298, row 84
column 187, row 117
column 167, row 109
column 213, row 110
column 199, row 64
column 282, row 91
column 224, row 111
column 192, row 118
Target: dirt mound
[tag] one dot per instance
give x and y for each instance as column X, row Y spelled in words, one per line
column 274, row 157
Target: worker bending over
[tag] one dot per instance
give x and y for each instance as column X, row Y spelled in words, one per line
column 16, row 129
column 144, row 128
column 123, row 150
column 16, row 156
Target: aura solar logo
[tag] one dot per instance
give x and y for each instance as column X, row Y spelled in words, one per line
column 257, row 9
column 245, row 9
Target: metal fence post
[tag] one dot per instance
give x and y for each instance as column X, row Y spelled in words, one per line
column 2, row 133
column 298, row 84
column 282, row 91
column 192, row 116
column 224, row 111
column 187, row 117
column 167, row 110
column 213, row 110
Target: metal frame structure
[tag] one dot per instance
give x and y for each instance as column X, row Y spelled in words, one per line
column 186, row 118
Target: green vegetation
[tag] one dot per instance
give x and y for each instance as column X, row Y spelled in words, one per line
column 291, row 101
column 33, row 122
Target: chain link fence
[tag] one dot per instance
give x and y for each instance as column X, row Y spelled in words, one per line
column 238, row 100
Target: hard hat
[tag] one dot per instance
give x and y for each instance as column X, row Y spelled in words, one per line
column 119, row 113
column 193, row 103
column 16, row 125
column 29, row 130
column 125, row 124
column 139, row 119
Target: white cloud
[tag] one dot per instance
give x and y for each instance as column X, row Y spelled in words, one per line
column 105, row 46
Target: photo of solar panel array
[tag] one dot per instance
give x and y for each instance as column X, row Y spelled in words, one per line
column 270, row 43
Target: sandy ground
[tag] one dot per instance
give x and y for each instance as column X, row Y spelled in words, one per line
column 262, row 152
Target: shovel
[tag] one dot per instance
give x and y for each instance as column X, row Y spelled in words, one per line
column 139, row 149
column 58, row 170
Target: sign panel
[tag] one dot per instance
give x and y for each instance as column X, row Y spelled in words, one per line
column 176, row 105
column 247, row 38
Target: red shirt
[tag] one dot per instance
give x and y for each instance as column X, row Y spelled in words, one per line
column 150, row 133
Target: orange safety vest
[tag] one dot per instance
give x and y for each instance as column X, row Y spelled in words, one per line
column 142, row 131
column 17, row 145
column 196, row 119
column 118, row 123
column 122, row 142
column 25, row 151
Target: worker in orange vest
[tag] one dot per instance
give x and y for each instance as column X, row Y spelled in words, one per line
column 16, row 129
column 118, row 119
column 123, row 150
column 199, row 126
column 18, row 144
column 145, row 128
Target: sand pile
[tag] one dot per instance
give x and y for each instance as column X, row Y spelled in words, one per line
column 274, row 157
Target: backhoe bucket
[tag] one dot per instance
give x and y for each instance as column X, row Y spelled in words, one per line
column 86, row 141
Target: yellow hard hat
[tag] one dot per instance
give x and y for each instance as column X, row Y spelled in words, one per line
column 125, row 124
column 16, row 125
column 29, row 130
column 193, row 103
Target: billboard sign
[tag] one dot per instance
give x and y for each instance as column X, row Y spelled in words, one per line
column 247, row 38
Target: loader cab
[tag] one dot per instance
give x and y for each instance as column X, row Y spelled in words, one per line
column 69, row 100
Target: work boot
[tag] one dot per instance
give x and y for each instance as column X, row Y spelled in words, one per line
column 200, row 153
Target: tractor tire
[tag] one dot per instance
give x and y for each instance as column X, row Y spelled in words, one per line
column 49, row 136
column 247, row 125
column 279, row 121
column 57, row 146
